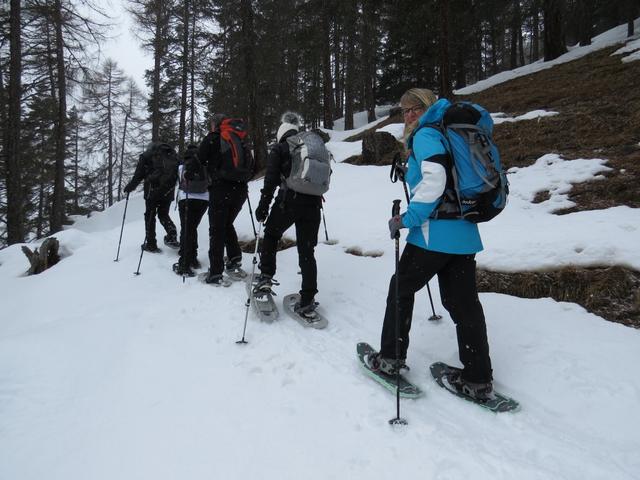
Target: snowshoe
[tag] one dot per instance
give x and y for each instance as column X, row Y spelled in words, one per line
column 307, row 315
column 183, row 271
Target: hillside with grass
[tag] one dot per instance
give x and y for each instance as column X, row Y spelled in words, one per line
column 597, row 101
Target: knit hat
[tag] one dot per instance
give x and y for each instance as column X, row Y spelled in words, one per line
column 290, row 121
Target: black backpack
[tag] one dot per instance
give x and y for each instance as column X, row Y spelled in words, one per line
column 164, row 169
column 236, row 162
column 194, row 176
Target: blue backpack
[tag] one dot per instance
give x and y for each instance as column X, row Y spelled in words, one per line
column 480, row 186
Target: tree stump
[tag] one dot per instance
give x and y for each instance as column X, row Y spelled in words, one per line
column 44, row 257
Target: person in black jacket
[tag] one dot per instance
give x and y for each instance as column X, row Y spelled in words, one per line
column 158, row 167
column 226, row 198
column 289, row 208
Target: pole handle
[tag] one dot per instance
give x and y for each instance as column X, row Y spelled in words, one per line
column 395, row 210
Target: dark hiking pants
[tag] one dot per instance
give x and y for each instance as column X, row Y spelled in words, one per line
column 225, row 202
column 191, row 212
column 459, row 295
column 306, row 217
column 161, row 208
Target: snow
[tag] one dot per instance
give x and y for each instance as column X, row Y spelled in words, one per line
column 632, row 48
column 611, row 37
column 359, row 121
column 107, row 375
column 534, row 114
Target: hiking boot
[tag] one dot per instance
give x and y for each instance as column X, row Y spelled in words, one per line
column 184, row 271
column 262, row 284
column 217, row 280
column 170, row 240
column 150, row 247
column 195, row 264
column 481, row 392
column 378, row 363
column 308, row 311
column 234, row 264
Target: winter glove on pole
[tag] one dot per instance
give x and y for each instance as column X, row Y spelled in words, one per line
column 395, row 224
column 262, row 211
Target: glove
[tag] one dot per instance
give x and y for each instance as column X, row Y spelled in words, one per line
column 395, row 224
column 262, row 211
column 129, row 188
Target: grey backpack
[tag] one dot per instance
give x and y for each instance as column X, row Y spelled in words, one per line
column 310, row 164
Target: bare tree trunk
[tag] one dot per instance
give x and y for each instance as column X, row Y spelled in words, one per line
column 585, row 21
column 124, row 137
column 535, row 32
column 338, row 74
column 110, row 130
column 58, row 207
column 350, row 78
column 76, row 163
column 256, row 126
column 158, row 43
column 369, row 43
column 185, row 75
column 554, row 44
column 15, row 195
column 51, row 62
column 327, row 79
column 193, row 77
column 516, row 34
column 630, row 13
column 445, row 64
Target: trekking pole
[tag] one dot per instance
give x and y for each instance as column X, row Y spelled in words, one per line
column 251, row 215
column 434, row 317
column 253, row 272
column 137, row 272
column 126, row 202
column 185, row 240
column 324, row 222
column 397, row 420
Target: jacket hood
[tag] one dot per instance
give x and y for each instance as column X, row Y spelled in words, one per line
column 435, row 112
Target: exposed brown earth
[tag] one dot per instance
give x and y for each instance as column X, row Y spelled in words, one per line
column 598, row 100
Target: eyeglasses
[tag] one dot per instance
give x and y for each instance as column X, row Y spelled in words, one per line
column 415, row 109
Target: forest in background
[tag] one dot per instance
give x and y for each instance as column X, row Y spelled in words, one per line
column 71, row 131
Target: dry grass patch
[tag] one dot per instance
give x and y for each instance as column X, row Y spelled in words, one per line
column 610, row 292
column 250, row 245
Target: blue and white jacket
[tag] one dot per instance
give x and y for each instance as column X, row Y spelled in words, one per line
column 427, row 179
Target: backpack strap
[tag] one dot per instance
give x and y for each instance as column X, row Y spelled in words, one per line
column 449, row 204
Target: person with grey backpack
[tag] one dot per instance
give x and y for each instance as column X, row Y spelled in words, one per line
column 299, row 166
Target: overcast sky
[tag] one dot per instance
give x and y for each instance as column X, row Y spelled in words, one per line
column 124, row 47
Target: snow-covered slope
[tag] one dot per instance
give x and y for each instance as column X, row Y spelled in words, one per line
column 107, row 375
column 611, row 37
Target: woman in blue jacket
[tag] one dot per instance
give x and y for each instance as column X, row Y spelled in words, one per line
column 445, row 248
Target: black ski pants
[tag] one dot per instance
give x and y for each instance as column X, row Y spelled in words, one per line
column 286, row 211
column 191, row 212
column 225, row 202
column 159, row 207
column 459, row 295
